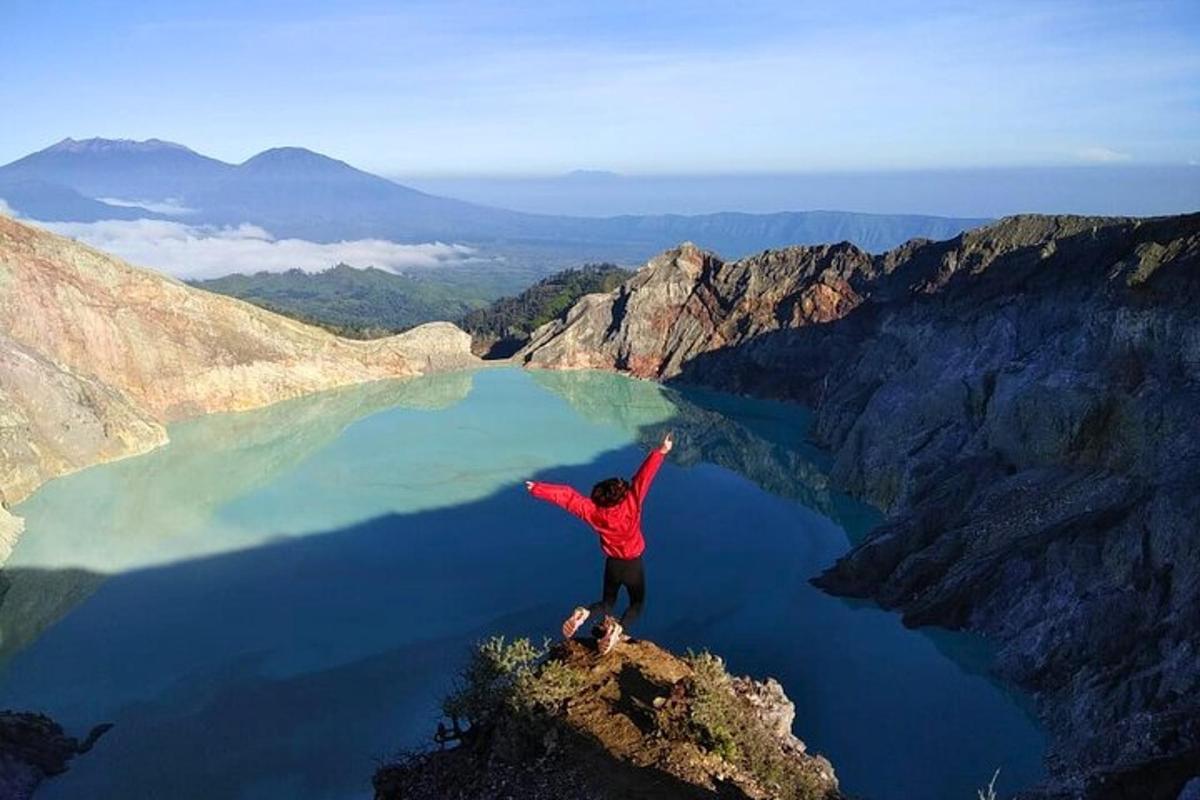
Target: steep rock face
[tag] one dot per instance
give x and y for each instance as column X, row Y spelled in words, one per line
column 687, row 301
column 40, row 401
column 1021, row 401
column 53, row 422
column 95, row 355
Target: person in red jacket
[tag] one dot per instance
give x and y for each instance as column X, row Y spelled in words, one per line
column 615, row 513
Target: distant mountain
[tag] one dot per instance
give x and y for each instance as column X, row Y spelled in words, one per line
column 39, row 199
column 370, row 303
column 293, row 192
column 735, row 232
column 296, row 162
column 149, row 170
column 592, row 175
column 1112, row 189
column 362, row 303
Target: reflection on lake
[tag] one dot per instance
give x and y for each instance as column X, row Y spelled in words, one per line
column 277, row 598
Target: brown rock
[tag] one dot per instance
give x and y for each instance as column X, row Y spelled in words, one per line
column 633, row 725
column 687, row 301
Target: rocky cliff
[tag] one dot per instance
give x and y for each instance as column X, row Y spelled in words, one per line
column 1021, row 400
column 96, row 355
column 638, row 722
column 34, row 747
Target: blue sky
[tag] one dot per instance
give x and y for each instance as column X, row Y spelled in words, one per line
column 522, row 87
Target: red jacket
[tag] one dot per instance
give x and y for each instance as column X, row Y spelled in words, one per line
column 619, row 526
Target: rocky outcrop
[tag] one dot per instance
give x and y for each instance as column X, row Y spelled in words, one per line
column 637, row 722
column 34, row 747
column 53, row 421
column 687, row 301
column 97, row 355
column 1021, row 401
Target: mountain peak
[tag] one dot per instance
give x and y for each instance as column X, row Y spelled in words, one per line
column 101, row 145
column 293, row 158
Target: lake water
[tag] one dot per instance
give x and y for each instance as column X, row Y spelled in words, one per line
column 277, row 599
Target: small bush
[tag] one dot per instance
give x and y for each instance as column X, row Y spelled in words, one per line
column 512, row 681
column 545, row 689
column 713, row 711
column 487, row 683
column 725, row 724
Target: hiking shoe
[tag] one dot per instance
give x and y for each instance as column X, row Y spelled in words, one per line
column 611, row 636
column 601, row 627
column 575, row 621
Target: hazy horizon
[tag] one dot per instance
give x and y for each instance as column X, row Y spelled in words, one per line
column 980, row 192
column 1143, row 190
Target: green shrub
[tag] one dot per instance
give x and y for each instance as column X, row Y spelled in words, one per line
column 545, row 689
column 713, row 712
column 488, row 682
column 506, row 324
column 513, row 681
column 726, row 724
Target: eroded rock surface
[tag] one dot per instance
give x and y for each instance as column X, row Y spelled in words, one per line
column 34, row 747
column 96, row 355
column 1022, row 401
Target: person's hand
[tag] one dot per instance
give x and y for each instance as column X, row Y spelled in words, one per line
column 667, row 443
column 529, row 485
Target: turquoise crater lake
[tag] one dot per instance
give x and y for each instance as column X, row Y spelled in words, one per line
column 277, row 599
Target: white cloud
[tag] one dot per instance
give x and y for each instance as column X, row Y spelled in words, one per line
column 204, row 251
column 170, row 206
column 1102, row 155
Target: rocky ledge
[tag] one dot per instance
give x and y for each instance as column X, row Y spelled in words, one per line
column 636, row 723
column 34, row 747
column 1021, row 400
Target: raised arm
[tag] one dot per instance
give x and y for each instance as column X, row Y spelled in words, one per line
column 649, row 468
column 563, row 496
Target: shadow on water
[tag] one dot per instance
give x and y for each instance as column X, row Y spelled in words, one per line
column 285, row 668
column 160, row 506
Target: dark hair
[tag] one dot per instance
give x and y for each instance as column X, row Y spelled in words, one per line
column 609, row 492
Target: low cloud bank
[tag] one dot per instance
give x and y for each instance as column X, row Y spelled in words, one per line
column 170, row 206
column 1103, row 155
column 207, row 251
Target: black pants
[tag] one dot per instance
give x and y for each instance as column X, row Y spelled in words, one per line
column 627, row 572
